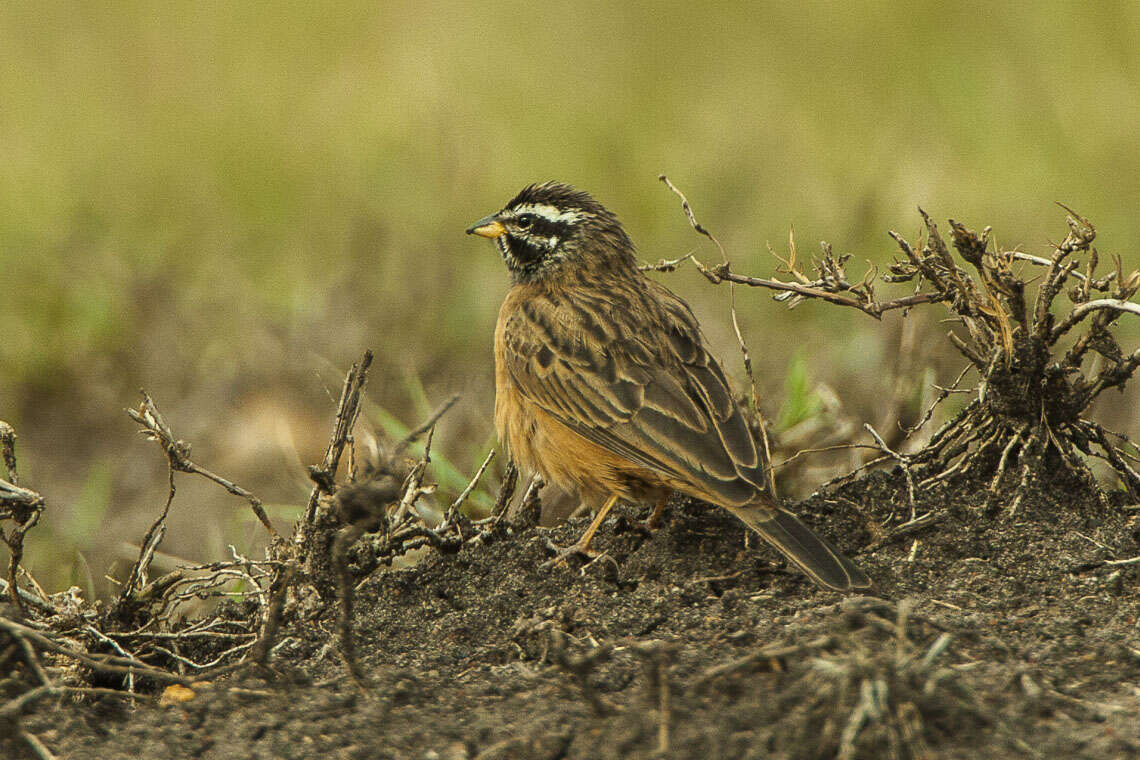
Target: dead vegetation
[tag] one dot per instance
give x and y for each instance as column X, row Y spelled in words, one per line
column 1038, row 371
column 666, row 616
column 202, row 622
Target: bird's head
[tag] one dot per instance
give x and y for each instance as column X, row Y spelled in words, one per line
column 549, row 227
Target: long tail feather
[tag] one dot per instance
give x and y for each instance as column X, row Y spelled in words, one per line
column 821, row 561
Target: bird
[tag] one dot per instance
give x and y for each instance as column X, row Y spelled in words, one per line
column 605, row 385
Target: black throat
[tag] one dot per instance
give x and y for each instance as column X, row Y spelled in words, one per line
column 531, row 253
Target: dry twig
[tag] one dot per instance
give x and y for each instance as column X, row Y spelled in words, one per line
column 20, row 505
column 156, row 428
column 724, row 266
column 1031, row 399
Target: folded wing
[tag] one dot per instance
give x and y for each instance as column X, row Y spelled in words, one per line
column 629, row 371
column 639, row 383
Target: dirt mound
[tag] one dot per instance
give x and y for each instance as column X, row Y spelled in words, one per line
column 987, row 637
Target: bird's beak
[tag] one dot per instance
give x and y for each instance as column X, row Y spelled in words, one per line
column 488, row 227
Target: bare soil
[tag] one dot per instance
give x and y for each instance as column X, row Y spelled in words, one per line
column 992, row 636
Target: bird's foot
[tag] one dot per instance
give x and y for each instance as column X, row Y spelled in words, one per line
column 654, row 520
column 563, row 553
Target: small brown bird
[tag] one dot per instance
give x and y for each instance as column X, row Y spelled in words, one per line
column 604, row 385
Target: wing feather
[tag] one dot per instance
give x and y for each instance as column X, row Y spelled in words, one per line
column 631, row 374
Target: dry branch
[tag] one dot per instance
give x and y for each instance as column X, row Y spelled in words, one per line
column 1028, row 416
column 754, row 399
column 156, row 428
column 20, row 505
column 348, row 409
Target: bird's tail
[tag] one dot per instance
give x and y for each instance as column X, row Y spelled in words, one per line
column 821, row 561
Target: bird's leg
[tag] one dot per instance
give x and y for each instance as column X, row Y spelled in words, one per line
column 583, row 544
column 654, row 520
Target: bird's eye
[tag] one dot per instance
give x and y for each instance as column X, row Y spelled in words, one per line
column 525, row 221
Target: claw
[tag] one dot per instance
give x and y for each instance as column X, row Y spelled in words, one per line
column 582, row 548
column 561, row 553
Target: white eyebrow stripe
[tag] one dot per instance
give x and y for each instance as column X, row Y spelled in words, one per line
column 549, row 213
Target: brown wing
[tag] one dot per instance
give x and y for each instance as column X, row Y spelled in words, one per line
column 627, row 369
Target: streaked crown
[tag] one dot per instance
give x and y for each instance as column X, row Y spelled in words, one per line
column 549, row 226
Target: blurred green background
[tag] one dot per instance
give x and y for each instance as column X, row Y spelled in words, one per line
column 225, row 203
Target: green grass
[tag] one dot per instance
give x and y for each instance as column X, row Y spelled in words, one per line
column 800, row 399
column 451, row 478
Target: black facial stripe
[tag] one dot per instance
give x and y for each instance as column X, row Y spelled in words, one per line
column 550, row 228
column 545, row 228
column 522, row 250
